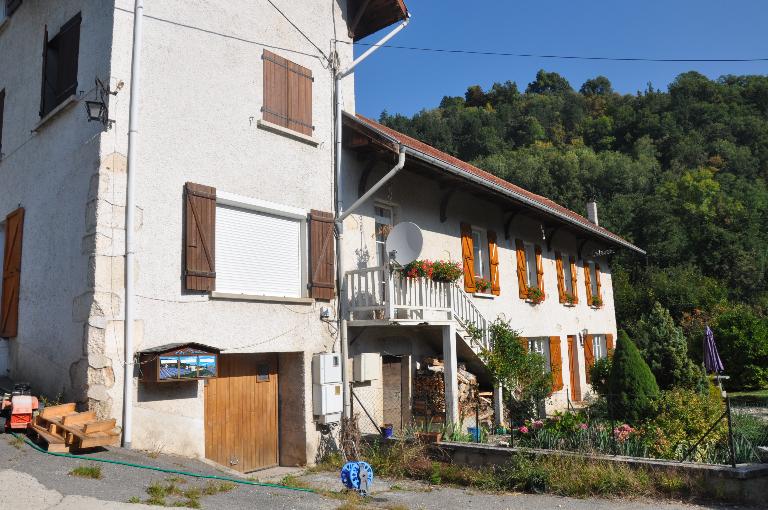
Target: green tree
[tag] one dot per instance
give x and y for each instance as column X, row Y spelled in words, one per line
column 742, row 340
column 523, row 374
column 633, row 389
column 665, row 349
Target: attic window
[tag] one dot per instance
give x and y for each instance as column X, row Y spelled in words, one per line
column 60, row 59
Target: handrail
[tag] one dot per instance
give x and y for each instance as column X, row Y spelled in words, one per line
column 467, row 313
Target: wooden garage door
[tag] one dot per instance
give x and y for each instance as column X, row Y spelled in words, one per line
column 241, row 412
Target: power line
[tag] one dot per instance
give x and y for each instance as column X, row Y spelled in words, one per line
column 226, row 36
column 563, row 57
column 298, row 29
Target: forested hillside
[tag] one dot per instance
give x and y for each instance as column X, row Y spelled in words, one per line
column 681, row 173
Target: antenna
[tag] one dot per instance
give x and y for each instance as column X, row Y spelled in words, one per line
column 404, row 243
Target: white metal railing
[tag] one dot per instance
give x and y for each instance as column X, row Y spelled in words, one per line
column 373, row 295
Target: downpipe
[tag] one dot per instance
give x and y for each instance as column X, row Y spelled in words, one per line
column 130, row 221
column 340, row 214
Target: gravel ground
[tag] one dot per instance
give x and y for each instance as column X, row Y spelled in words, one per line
column 32, row 480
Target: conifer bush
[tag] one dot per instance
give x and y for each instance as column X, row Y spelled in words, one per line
column 632, row 386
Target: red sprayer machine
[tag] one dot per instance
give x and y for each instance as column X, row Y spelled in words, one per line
column 17, row 408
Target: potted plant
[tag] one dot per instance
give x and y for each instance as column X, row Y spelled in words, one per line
column 535, row 295
column 570, row 299
column 419, row 269
column 596, row 302
column 446, row 271
column 482, row 285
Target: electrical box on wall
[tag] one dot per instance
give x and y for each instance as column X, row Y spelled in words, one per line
column 327, row 402
column 367, row 367
column 326, row 368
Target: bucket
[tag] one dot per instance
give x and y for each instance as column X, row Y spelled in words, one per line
column 475, row 433
column 387, row 431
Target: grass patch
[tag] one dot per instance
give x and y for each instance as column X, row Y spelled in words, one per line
column 169, row 492
column 564, row 475
column 16, row 441
column 93, row 472
column 294, row 482
column 749, row 394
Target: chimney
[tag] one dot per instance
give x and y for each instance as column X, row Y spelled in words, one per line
column 592, row 212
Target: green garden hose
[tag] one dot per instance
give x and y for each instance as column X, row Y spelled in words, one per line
column 162, row 470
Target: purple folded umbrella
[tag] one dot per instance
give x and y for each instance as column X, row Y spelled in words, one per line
column 712, row 362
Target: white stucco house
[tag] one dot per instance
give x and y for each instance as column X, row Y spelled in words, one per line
column 240, row 253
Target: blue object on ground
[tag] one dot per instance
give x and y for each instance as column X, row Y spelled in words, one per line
column 350, row 474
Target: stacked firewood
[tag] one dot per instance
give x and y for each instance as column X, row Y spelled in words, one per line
column 429, row 393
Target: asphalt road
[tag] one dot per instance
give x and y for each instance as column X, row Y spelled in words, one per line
column 30, row 480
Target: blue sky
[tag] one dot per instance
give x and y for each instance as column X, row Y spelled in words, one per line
column 406, row 81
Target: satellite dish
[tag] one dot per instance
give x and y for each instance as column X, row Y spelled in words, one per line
column 404, row 243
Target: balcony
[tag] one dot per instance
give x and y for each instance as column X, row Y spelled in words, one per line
column 375, row 295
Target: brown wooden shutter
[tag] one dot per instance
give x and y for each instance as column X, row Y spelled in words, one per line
column 609, row 343
column 44, row 82
column 287, row 94
column 322, row 257
column 560, row 276
column 493, row 258
column 200, row 237
column 468, row 256
column 522, row 276
column 589, row 355
column 556, row 363
column 68, row 44
column 540, row 271
column 588, row 283
column 11, row 6
column 599, row 285
column 9, row 303
column 2, row 111
column 574, row 279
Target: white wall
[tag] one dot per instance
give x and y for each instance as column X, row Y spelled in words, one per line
column 417, row 199
column 200, row 103
column 48, row 173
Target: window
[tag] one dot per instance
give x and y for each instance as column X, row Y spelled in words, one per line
column 530, row 265
column 287, row 94
column 480, row 266
column 567, row 276
column 258, row 253
column 599, row 346
column 593, row 279
column 60, row 56
column 540, row 345
column 385, row 220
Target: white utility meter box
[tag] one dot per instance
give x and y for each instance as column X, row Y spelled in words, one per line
column 326, row 368
column 327, row 402
column 367, row 367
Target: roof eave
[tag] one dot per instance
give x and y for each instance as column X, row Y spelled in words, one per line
column 510, row 193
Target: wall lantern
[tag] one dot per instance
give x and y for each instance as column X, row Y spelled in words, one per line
column 97, row 110
column 584, row 333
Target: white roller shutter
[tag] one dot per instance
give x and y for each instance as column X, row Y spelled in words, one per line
column 257, row 253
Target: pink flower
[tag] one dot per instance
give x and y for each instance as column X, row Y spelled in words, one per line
column 523, row 429
column 622, row 432
column 583, row 426
column 537, row 425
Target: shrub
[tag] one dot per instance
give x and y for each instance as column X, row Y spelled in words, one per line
column 632, row 385
column 599, row 374
column 664, row 348
column 682, row 419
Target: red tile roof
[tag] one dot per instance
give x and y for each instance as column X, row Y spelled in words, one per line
column 491, row 181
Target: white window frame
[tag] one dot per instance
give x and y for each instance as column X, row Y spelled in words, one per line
column 567, row 275
column 275, row 209
column 479, row 253
column 599, row 346
column 532, row 272
column 540, row 345
column 593, row 278
column 381, row 252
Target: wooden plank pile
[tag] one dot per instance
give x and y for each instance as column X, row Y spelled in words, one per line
column 61, row 429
